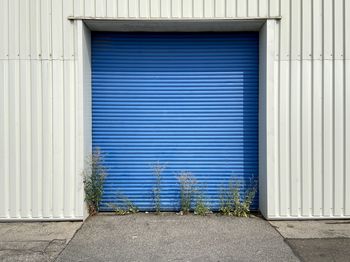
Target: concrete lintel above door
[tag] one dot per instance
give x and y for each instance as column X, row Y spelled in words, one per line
column 175, row 25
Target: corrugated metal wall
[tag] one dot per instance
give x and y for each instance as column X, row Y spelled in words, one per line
column 39, row 177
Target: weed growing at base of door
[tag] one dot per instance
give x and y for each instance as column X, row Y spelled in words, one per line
column 233, row 204
column 125, row 206
column 225, row 202
column 157, row 170
column 201, row 208
column 93, row 178
column 187, row 190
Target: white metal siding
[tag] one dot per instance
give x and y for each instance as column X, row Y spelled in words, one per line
column 40, row 162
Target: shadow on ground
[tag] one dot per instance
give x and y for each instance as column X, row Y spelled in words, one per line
column 321, row 250
column 317, row 240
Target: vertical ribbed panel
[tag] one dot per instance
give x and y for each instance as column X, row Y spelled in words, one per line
column 189, row 100
column 312, row 105
column 37, row 115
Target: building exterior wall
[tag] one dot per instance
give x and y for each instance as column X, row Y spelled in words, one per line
column 41, row 156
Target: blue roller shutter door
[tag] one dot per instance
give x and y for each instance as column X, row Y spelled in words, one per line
column 189, row 100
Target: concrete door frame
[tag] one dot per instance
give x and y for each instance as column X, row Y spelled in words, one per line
column 265, row 27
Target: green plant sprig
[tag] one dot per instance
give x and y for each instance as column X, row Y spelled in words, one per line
column 232, row 204
column 126, row 207
column 93, row 179
column 157, row 169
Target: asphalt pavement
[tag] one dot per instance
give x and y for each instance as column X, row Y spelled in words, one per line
column 35, row 241
column 171, row 237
